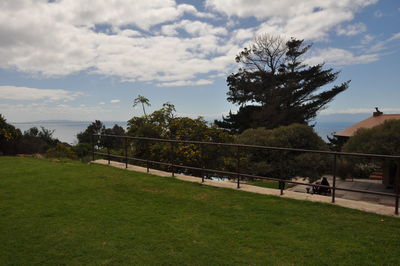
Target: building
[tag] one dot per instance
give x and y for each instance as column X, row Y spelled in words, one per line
column 389, row 171
column 376, row 119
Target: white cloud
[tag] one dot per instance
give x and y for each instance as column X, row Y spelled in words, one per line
column 378, row 14
column 142, row 40
column 115, row 101
column 143, row 14
column 186, row 83
column 283, row 8
column 311, row 19
column 56, row 39
column 339, row 57
column 102, row 103
column 194, row 28
column 395, row 36
column 33, row 112
column 382, row 45
column 33, row 94
column 367, row 39
column 352, row 29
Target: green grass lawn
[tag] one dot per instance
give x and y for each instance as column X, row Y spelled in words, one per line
column 70, row 213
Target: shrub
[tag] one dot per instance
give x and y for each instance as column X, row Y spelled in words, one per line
column 61, row 150
column 284, row 164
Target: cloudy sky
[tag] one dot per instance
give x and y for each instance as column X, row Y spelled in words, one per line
column 88, row 59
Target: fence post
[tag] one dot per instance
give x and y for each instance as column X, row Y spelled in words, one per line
column 397, row 184
column 172, row 161
column 238, row 165
column 202, row 162
column 126, row 152
column 334, row 179
column 92, row 143
column 108, row 154
column 282, row 186
column 396, row 211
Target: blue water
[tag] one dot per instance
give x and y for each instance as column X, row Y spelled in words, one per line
column 325, row 129
column 66, row 131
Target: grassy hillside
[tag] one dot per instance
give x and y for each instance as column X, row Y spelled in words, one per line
column 55, row 213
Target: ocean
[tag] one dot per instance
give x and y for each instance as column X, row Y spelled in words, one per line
column 66, row 131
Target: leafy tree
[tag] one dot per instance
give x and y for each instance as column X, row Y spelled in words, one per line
column 47, row 136
column 143, row 101
column 382, row 139
column 97, row 127
column 36, row 141
column 163, row 124
column 32, row 132
column 114, row 143
column 336, row 143
column 284, row 164
column 153, row 126
column 9, row 135
column 274, row 87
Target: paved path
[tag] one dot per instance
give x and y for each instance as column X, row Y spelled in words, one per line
column 360, row 184
column 359, row 205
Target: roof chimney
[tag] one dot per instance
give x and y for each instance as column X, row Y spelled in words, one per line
column 377, row 113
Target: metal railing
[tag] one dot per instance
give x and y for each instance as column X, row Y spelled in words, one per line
column 239, row 175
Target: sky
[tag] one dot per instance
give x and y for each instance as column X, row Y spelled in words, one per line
column 89, row 59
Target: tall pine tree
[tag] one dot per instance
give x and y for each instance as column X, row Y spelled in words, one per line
column 275, row 88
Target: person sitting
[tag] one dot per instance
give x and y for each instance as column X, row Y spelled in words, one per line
column 315, row 187
column 324, row 190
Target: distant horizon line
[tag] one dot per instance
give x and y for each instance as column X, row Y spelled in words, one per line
column 210, row 118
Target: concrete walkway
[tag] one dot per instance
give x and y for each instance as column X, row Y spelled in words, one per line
column 360, row 184
column 359, row 205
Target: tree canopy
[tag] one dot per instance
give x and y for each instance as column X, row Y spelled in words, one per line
column 8, row 137
column 143, row 101
column 274, row 87
column 164, row 124
column 97, row 127
column 382, row 139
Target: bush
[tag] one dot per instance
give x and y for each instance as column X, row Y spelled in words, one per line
column 355, row 168
column 284, row 164
column 82, row 150
column 163, row 124
column 61, row 151
column 382, row 139
column 9, row 136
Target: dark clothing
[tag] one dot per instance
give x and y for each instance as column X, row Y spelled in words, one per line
column 324, row 190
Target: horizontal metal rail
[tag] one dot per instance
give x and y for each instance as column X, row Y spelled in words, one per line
column 240, row 175
column 248, row 175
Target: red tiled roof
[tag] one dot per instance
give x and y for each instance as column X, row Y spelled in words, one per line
column 370, row 122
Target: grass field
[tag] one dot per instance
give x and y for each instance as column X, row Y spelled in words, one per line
column 70, row 213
